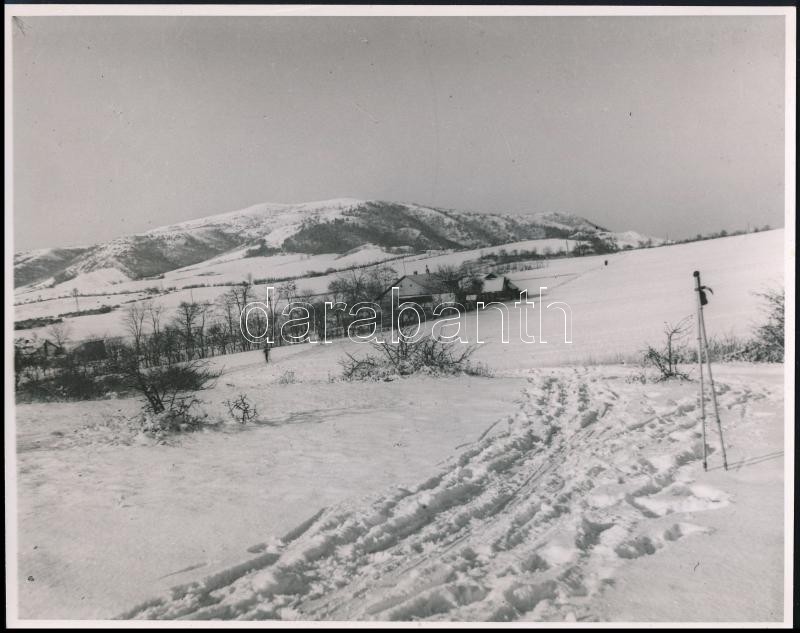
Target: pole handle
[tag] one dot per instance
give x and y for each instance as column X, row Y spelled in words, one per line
column 700, row 289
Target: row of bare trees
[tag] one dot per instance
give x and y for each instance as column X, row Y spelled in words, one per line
column 193, row 330
column 196, row 330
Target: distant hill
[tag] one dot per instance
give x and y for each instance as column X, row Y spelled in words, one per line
column 331, row 226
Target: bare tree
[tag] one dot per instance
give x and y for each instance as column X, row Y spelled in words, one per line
column 235, row 301
column 134, row 324
column 59, row 334
column 205, row 314
column 227, row 307
column 459, row 280
column 667, row 359
column 449, row 277
column 287, row 290
column 186, row 319
column 154, row 311
column 353, row 287
column 381, row 277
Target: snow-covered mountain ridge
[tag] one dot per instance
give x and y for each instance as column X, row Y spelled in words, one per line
column 330, row 226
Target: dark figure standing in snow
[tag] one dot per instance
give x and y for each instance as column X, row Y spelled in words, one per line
column 606, row 262
column 266, row 353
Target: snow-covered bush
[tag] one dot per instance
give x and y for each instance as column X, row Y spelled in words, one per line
column 767, row 346
column 427, row 355
column 165, row 385
column 183, row 416
column 61, row 380
column 168, row 390
column 725, row 348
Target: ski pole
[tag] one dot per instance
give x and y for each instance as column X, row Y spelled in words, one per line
column 713, row 393
column 700, row 367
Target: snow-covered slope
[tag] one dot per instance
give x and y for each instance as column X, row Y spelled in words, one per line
column 565, row 222
column 43, row 264
column 330, row 226
column 544, row 493
column 532, row 520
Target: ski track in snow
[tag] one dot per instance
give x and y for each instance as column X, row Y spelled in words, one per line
column 529, row 522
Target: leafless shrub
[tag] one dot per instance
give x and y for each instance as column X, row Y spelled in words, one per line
column 364, row 368
column 182, row 416
column 241, row 409
column 408, row 356
column 765, row 346
column 666, row 359
column 165, row 386
column 167, row 389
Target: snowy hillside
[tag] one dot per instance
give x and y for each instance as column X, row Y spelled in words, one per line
column 326, row 227
column 44, row 263
column 533, row 519
column 565, row 222
column 548, row 492
column 615, row 308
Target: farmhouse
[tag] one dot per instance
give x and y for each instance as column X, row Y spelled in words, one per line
column 91, row 351
column 425, row 290
column 498, row 288
column 40, row 349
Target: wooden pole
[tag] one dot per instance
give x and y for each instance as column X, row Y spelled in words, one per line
column 700, row 367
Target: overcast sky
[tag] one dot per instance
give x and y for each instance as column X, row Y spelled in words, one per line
column 667, row 125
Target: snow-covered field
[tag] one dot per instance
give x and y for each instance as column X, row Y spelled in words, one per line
column 618, row 309
column 560, row 489
column 622, row 292
column 216, row 275
column 538, row 516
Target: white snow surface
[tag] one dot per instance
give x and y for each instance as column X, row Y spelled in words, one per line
column 616, row 308
column 561, row 489
column 533, row 519
column 469, row 499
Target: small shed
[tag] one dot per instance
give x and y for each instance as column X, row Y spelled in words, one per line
column 48, row 349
